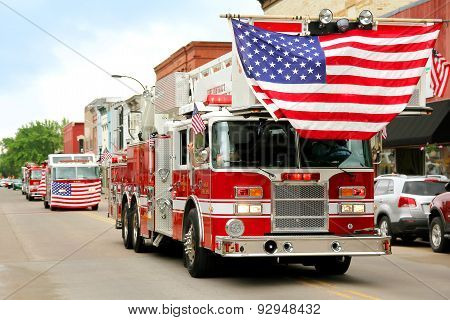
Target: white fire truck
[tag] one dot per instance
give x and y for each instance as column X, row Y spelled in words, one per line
column 248, row 186
column 72, row 181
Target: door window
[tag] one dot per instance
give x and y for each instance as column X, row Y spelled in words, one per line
column 382, row 187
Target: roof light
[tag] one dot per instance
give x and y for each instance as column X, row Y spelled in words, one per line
column 325, row 16
column 365, row 18
column 292, row 176
column 343, row 24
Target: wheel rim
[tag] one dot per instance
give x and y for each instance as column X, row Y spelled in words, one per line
column 125, row 227
column 436, row 235
column 135, row 229
column 189, row 245
column 384, row 228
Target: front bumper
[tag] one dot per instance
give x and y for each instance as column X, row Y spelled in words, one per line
column 35, row 194
column 307, row 246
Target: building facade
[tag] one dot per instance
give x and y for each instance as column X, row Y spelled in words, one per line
column 73, row 135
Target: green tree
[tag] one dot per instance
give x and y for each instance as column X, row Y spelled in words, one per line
column 33, row 143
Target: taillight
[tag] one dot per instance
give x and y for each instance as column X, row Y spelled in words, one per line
column 300, row 176
column 352, row 192
column 406, row 202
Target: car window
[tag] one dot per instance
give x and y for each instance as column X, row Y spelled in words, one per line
column 381, row 187
column 390, row 188
column 424, row 188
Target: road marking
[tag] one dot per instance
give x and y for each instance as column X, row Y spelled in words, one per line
column 347, row 294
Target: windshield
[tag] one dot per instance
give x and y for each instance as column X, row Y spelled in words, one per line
column 335, row 153
column 36, row 175
column 59, row 159
column 424, row 188
column 253, row 144
column 75, row 173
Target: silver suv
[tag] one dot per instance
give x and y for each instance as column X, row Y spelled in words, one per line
column 402, row 204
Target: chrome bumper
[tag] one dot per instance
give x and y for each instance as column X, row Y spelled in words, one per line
column 289, row 246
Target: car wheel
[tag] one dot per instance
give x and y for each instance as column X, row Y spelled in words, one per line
column 138, row 241
column 30, row 198
column 95, row 208
column 199, row 261
column 126, row 235
column 437, row 240
column 333, row 265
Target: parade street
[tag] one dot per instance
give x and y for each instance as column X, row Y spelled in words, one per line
column 79, row 255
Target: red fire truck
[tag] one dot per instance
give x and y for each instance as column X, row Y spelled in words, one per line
column 72, row 182
column 248, row 186
column 32, row 177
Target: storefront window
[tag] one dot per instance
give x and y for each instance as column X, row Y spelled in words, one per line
column 437, row 159
column 387, row 164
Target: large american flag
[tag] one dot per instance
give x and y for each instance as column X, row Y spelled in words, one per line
column 439, row 74
column 339, row 86
column 42, row 184
column 75, row 194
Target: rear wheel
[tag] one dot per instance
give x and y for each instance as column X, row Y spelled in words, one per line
column 197, row 260
column 138, row 241
column 126, row 235
column 333, row 265
column 46, row 205
column 437, row 240
column 30, row 198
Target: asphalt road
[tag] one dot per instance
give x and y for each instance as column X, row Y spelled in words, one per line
column 79, row 255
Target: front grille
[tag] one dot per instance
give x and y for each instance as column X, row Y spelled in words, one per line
column 300, row 208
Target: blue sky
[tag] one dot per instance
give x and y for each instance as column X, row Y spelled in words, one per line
column 41, row 79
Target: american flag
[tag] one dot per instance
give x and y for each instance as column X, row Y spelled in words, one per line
column 75, row 194
column 339, row 86
column 42, row 184
column 197, row 123
column 106, row 155
column 439, row 74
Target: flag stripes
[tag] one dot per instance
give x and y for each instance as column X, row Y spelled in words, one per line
column 75, row 194
column 439, row 74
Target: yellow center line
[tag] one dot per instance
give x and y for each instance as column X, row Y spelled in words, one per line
column 99, row 218
column 348, row 294
column 318, row 286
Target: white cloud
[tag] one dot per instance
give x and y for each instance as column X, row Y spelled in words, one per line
column 64, row 90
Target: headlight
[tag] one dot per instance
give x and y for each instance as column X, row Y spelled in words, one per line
column 353, row 208
column 325, row 16
column 343, row 24
column 245, row 208
column 365, row 17
column 234, row 228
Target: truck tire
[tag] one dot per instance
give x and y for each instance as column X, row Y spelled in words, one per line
column 46, row 205
column 199, row 261
column 138, row 241
column 126, row 234
column 333, row 265
column 95, row 208
column 30, row 198
column 437, row 240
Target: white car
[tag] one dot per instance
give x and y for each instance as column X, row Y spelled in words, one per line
column 402, row 204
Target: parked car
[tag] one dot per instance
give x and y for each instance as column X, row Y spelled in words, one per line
column 439, row 220
column 3, row 183
column 9, row 183
column 17, row 184
column 402, row 204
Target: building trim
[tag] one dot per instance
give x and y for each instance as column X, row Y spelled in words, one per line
column 403, row 8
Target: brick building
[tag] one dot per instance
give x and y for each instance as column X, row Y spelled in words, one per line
column 74, row 137
column 191, row 56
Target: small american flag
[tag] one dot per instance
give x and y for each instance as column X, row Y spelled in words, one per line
column 151, row 142
column 106, row 155
column 339, row 86
column 42, row 184
column 197, row 122
column 75, row 194
column 439, row 74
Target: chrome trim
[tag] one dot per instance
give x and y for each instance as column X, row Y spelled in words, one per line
column 306, row 246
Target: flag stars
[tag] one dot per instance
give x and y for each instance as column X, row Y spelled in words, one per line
column 264, row 58
column 309, row 58
column 242, row 48
column 316, row 54
column 250, row 68
column 302, row 64
column 290, row 43
column 277, row 47
column 304, row 44
column 263, row 46
column 303, row 77
column 256, row 51
column 280, row 71
column 318, row 64
column 318, row 76
column 257, row 63
column 250, row 56
column 296, row 40
column 271, row 52
column 267, row 35
column 249, row 44
column 287, row 65
column 257, row 74
column 294, row 59
column 307, row 51
column 241, row 36
column 255, row 39
column 295, row 71
column 286, row 53
column 246, row 33
column 272, row 76
column 287, row 77
column 279, row 59
column 272, row 65
column 311, row 40
column 310, row 70
column 239, row 25
column 264, row 70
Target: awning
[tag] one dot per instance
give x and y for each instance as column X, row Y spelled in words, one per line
column 420, row 130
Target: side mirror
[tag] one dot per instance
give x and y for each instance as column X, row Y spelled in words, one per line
column 447, row 186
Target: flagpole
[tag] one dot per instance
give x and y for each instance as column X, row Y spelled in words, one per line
column 287, row 17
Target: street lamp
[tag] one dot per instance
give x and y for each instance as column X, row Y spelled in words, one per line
column 119, row 76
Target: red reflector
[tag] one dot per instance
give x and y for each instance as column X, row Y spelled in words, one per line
column 431, row 180
column 406, row 202
column 300, row 176
column 242, row 192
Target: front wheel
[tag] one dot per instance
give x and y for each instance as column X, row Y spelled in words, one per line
column 46, row 205
column 437, row 236
column 95, row 208
column 197, row 260
column 30, row 198
column 333, row 265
